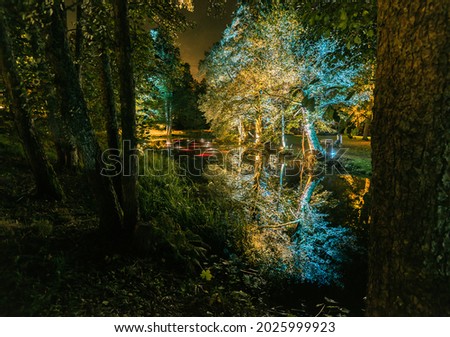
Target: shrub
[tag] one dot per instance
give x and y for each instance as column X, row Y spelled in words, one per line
column 184, row 217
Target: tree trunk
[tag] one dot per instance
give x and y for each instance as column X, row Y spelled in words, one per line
column 366, row 131
column 241, row 131
column 303, row 204
column 313, row 141
column 307, row 193
column 45, row 178
column 257, row 169
column 128, row 115
column 65, row 144
column 75, row 112
column 257, row 166
column 258, row 129
column 79, row 39
column 112, row 129
column 168, row 115
column 409, row 251
column 283, row 131
column 280, row 186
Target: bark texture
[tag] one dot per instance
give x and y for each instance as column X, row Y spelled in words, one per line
column 45, row 178
column 75, row 112
column 366, row 131
column 128, row 115
column 79, row 39
column 112, row 129
column 409, row 251
column 65, row 145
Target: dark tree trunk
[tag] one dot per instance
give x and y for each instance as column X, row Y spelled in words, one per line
column 45, row 178
column 65, row 145
column 366, row 131
column 75, row 112
column 409, row 252
column 112, row 129
column 128, row 115
column 79, row 39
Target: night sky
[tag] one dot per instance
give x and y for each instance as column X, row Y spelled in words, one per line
column 194, row 42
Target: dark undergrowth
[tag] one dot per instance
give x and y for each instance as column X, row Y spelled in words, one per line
column 185, row 260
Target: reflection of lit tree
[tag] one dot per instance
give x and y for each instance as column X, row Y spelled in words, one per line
column 286, row 233
column 319, row 249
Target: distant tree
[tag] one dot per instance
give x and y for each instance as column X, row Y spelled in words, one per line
column 185, row 102
column 167, row 74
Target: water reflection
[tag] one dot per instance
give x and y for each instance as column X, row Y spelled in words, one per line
column 303, row 223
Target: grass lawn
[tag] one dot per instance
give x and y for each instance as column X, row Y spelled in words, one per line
column 357, row 157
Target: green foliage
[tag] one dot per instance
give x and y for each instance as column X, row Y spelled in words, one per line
column 227, row 288
column 168, row 199
column 206, row 275
column 56, row 264
column 268, row 67
column 42, row 228
column 187, row 115
column 353, row 22
column 169, row 95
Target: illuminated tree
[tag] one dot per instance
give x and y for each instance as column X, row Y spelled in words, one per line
column 352, row 22
column 167, row 74
column 225, row 104
column 326, row 80
column 249, row 74
column 359, row 113
column 267, row 70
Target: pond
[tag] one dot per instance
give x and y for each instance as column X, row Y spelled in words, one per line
column 308, row 222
